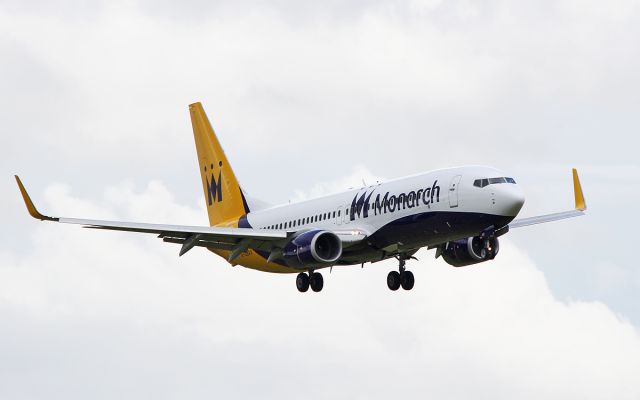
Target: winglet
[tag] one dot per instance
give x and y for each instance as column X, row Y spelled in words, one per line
column 577, row 190
column 30, row 207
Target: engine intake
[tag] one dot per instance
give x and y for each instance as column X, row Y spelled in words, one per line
column 473, row 250
column 313, row 249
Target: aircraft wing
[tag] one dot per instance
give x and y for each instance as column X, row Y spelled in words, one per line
column 580, row 208
column 236, row 240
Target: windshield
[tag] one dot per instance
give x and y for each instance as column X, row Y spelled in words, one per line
column 492, row 181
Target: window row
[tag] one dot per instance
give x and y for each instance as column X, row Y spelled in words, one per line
column 305, row 221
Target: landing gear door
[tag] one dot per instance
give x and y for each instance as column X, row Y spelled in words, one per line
column 453, row 191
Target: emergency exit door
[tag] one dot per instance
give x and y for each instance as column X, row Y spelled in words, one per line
column 454, row 192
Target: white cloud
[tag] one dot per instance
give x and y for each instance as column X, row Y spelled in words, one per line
column 300, row 93
column 360, row 177
column 107, row 314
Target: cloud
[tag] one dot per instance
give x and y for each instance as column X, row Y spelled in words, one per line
column 359, row 177
column 300, row 94
column 107, row 314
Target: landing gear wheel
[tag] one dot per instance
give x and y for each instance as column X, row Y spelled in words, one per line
column 393, row 280
column 302, row 282
column 316, row 281
column 407, row 280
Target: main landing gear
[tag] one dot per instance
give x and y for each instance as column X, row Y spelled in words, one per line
column 402, row 277
column 313, row 280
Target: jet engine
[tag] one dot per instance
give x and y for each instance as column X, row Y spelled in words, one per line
column 473, row 250
column 313, row 249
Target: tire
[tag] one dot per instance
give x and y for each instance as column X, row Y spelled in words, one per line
column 316, row 281
column 393, row 280
column 407, row 280
column 302, row 282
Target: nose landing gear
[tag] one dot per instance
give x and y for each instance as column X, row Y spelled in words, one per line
column 402, row 277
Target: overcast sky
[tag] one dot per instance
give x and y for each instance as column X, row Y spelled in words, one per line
column 309, row 98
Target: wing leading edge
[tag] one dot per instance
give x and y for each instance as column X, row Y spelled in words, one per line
column 232, row 239
column 579, row 210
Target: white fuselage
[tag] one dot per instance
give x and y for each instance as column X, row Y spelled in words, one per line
column 404, row 214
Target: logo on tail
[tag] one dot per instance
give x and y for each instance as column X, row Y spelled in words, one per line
column 214, row 187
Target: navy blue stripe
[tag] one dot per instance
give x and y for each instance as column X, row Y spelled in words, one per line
column 243, row 222
column 244, row 202
column 421, row 230
column 435, row 227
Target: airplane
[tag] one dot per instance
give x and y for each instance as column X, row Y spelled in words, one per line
column 460, row 212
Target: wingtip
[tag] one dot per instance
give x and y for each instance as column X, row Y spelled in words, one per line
column 581, row 204
column 31, row 208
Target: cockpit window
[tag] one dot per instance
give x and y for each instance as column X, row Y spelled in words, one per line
column 492, row 181
column 480, row 183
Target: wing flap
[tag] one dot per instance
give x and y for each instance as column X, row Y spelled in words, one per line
column 545, row 218
column 203, row 236
column 179, row 230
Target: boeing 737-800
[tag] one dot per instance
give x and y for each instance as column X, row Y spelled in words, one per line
column 460, row 212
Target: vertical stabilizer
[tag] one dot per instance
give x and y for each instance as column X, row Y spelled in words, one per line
column 222, row 194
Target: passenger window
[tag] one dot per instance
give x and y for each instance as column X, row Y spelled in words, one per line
column 334, row 214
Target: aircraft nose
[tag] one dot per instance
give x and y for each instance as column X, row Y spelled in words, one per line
column 511, row 199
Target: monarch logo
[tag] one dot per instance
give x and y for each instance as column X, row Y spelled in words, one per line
column 361, row 206
column 214, row 187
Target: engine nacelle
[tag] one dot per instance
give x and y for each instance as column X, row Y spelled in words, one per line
column 313, row 249
column 473, row 250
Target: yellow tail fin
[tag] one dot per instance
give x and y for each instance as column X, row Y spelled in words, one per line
column 224, row 198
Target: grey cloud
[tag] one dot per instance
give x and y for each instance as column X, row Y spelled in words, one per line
column 96, row 95
column 104, row 314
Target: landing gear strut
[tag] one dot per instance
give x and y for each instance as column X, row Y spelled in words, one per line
column 313, row 280
column 402, row 277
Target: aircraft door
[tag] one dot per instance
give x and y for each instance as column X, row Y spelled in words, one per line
column 453, row 191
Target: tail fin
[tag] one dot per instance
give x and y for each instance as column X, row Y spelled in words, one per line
column 224, row 198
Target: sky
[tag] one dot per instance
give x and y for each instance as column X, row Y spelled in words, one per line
column 310, row 98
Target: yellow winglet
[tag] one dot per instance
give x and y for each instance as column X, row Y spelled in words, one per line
column 577, row 191
column 30, row 207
